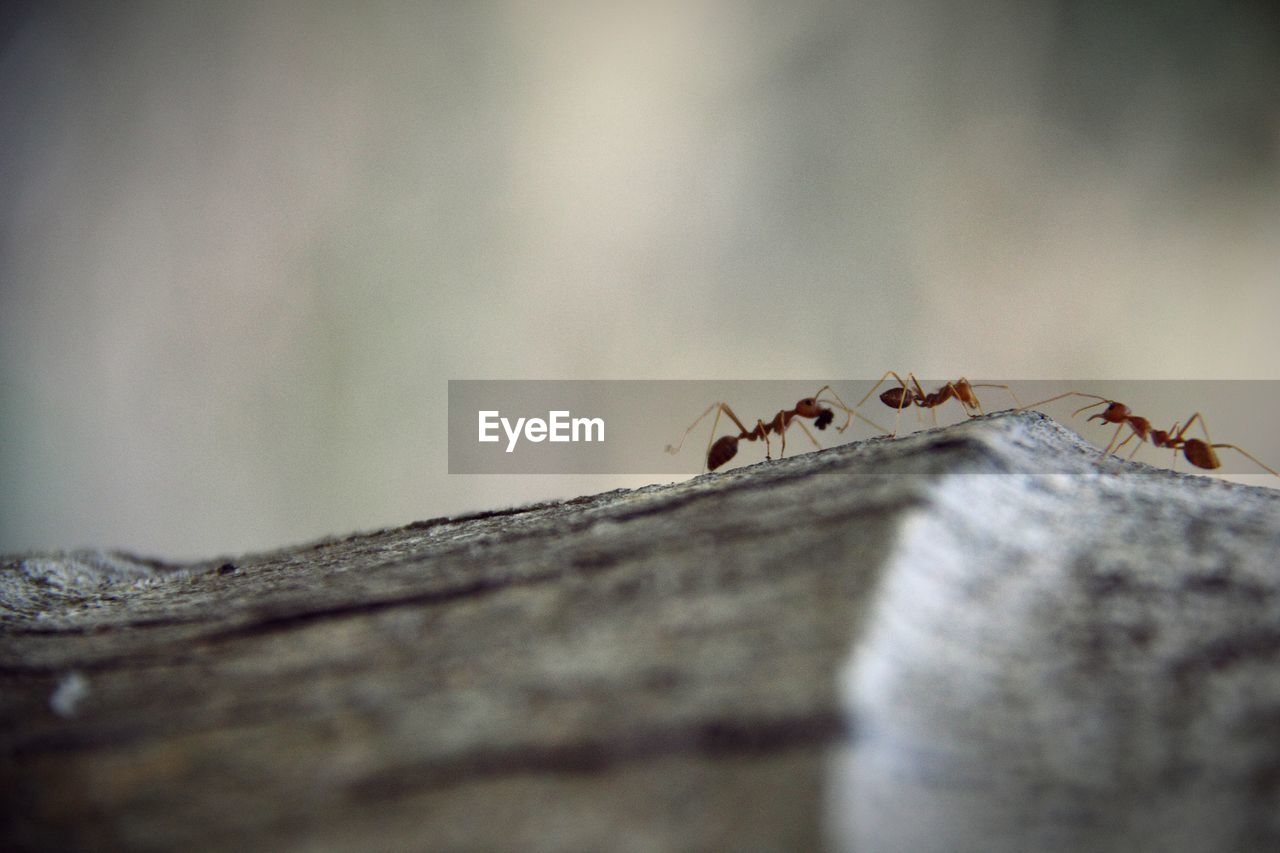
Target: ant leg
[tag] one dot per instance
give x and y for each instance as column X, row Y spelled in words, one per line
column 698, row 420
column 1014, row 396
column 955, row 392
column 760, row 427
column 897, row 417
column 712, row 438
column 879, row 428
column 920, row 391
column 1175, row 440
column 850, row 415
column 1113, row 440
column 1248, row 456
column 799, row 423
column 1203, row 427
column 723, row 407
column 876, row 387
column 806, row 432
column 833, row 394
column 1136, row 447
column 916, row 382
column 1179, row 433
column 920, row 401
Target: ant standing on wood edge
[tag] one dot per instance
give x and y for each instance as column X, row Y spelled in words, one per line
column 905, row 395
column 810, row 408
column 1199, row 452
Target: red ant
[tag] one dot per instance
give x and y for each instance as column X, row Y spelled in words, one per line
column 720, row 451
column 904, row 396
column 1198, row 452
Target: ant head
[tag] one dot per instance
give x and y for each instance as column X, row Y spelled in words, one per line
column 1114, row 413
column 808, row 408
column 1201, row 454
column 825, row 417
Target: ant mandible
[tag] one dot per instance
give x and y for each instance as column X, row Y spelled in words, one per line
column 720, row 451
column 905, row 396
column 1199, row 452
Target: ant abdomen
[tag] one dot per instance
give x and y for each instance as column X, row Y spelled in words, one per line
column 725, row 448
column 896, row 398
column 1200, row 454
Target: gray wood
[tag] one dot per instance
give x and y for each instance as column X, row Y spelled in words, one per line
column 979, row 638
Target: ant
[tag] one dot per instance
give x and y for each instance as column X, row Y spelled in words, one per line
column 905, row 396
column 1199, row 452
column 720, row 451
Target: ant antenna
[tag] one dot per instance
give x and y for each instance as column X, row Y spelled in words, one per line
column 1062, row 396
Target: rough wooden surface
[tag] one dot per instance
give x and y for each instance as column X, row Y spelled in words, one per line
column 980, row 638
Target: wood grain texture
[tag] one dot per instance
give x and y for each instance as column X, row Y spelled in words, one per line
column 983, row 637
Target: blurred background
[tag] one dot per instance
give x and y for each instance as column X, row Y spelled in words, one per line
column 243, row 246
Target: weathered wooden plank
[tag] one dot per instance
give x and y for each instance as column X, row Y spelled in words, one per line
column 983, row 637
